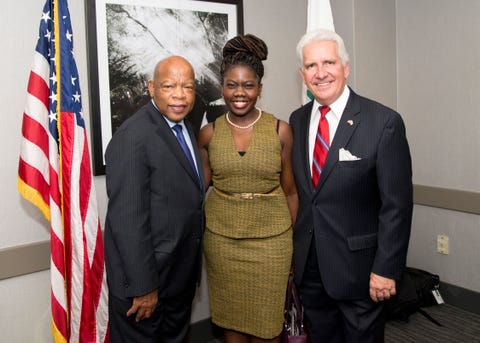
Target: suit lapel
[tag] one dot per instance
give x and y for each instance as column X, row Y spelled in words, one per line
column 346, row 127
column 166, row 133
column 304, row 132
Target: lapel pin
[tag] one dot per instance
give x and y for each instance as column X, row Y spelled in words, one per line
column 350, row 122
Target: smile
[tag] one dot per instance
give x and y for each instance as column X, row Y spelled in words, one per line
column 239, row 104
column 321, row 84
column 178, row 108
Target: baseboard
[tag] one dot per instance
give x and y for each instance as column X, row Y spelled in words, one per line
column 460, row 297
column 203, row 331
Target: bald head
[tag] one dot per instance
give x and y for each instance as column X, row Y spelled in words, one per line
column 171, row 63
column 173, row 87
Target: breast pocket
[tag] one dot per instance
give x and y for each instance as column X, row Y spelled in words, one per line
column 354, row 177
column 363, row 163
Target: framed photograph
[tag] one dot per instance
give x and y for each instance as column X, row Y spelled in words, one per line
column 126, row 39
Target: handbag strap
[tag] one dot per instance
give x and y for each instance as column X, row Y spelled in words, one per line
column 292, row 296
column 297, row 303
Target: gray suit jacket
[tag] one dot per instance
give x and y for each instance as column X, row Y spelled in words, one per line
column 360, row 212
column 155, row 220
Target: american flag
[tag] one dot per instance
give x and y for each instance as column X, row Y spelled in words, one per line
column 55, row 175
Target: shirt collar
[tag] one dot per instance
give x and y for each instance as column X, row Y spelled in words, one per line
column 169, row 122
column 338, row 106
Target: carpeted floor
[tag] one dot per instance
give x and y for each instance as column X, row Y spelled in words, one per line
column 459, row 326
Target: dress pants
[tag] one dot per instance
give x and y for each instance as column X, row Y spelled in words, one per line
column 168, row 324
column 338, row 321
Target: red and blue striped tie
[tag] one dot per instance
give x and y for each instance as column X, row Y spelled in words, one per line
column 322, row 144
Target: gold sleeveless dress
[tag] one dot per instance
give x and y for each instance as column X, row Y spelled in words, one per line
column 248, row 237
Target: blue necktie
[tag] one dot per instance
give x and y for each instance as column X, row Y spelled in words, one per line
column 181, row 139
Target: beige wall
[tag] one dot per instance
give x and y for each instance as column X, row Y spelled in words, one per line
column 438, row 86
column 417, row 56
column 24, row 309
column 420, row 58
column 368, row 29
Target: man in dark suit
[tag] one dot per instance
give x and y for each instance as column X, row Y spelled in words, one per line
column 155, row 220
column 353, row 224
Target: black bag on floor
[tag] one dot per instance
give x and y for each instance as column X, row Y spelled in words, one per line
column 417, row 288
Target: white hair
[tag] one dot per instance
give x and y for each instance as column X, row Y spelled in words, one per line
column 322, row 35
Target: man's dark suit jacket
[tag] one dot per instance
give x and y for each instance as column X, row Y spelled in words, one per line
column 360, row 212
column 155, row 220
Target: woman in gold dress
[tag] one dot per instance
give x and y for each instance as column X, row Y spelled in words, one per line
column 246, row 154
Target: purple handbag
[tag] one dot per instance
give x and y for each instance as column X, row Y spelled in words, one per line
column 293, row 329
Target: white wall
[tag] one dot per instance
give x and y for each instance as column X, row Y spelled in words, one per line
column 25, row 300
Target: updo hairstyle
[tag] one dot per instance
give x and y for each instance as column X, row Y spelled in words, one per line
column 248, row 50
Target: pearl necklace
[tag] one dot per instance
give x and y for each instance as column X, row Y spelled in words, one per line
column 246, row 126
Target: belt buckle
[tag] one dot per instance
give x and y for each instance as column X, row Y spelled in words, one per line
column 246, row 196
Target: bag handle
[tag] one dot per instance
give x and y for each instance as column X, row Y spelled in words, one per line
column 294, row 299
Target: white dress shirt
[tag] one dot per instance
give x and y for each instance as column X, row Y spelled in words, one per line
column 333, row 118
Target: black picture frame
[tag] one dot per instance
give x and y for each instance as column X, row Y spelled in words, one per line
column 126, row 38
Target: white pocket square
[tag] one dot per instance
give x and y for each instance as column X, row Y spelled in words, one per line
column 345, row 155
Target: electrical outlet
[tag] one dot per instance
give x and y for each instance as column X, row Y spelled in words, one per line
column 442, row 244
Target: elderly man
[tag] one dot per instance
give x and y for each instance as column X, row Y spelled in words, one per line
column 154, row 224
column 352, row 168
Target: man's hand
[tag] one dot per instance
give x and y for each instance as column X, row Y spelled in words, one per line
column 144, row 306
column 381, row 288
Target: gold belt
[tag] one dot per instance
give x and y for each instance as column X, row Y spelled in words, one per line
column 247, row 195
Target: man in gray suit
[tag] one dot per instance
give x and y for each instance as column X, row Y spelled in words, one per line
column 155, row 220
column 353, row 172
